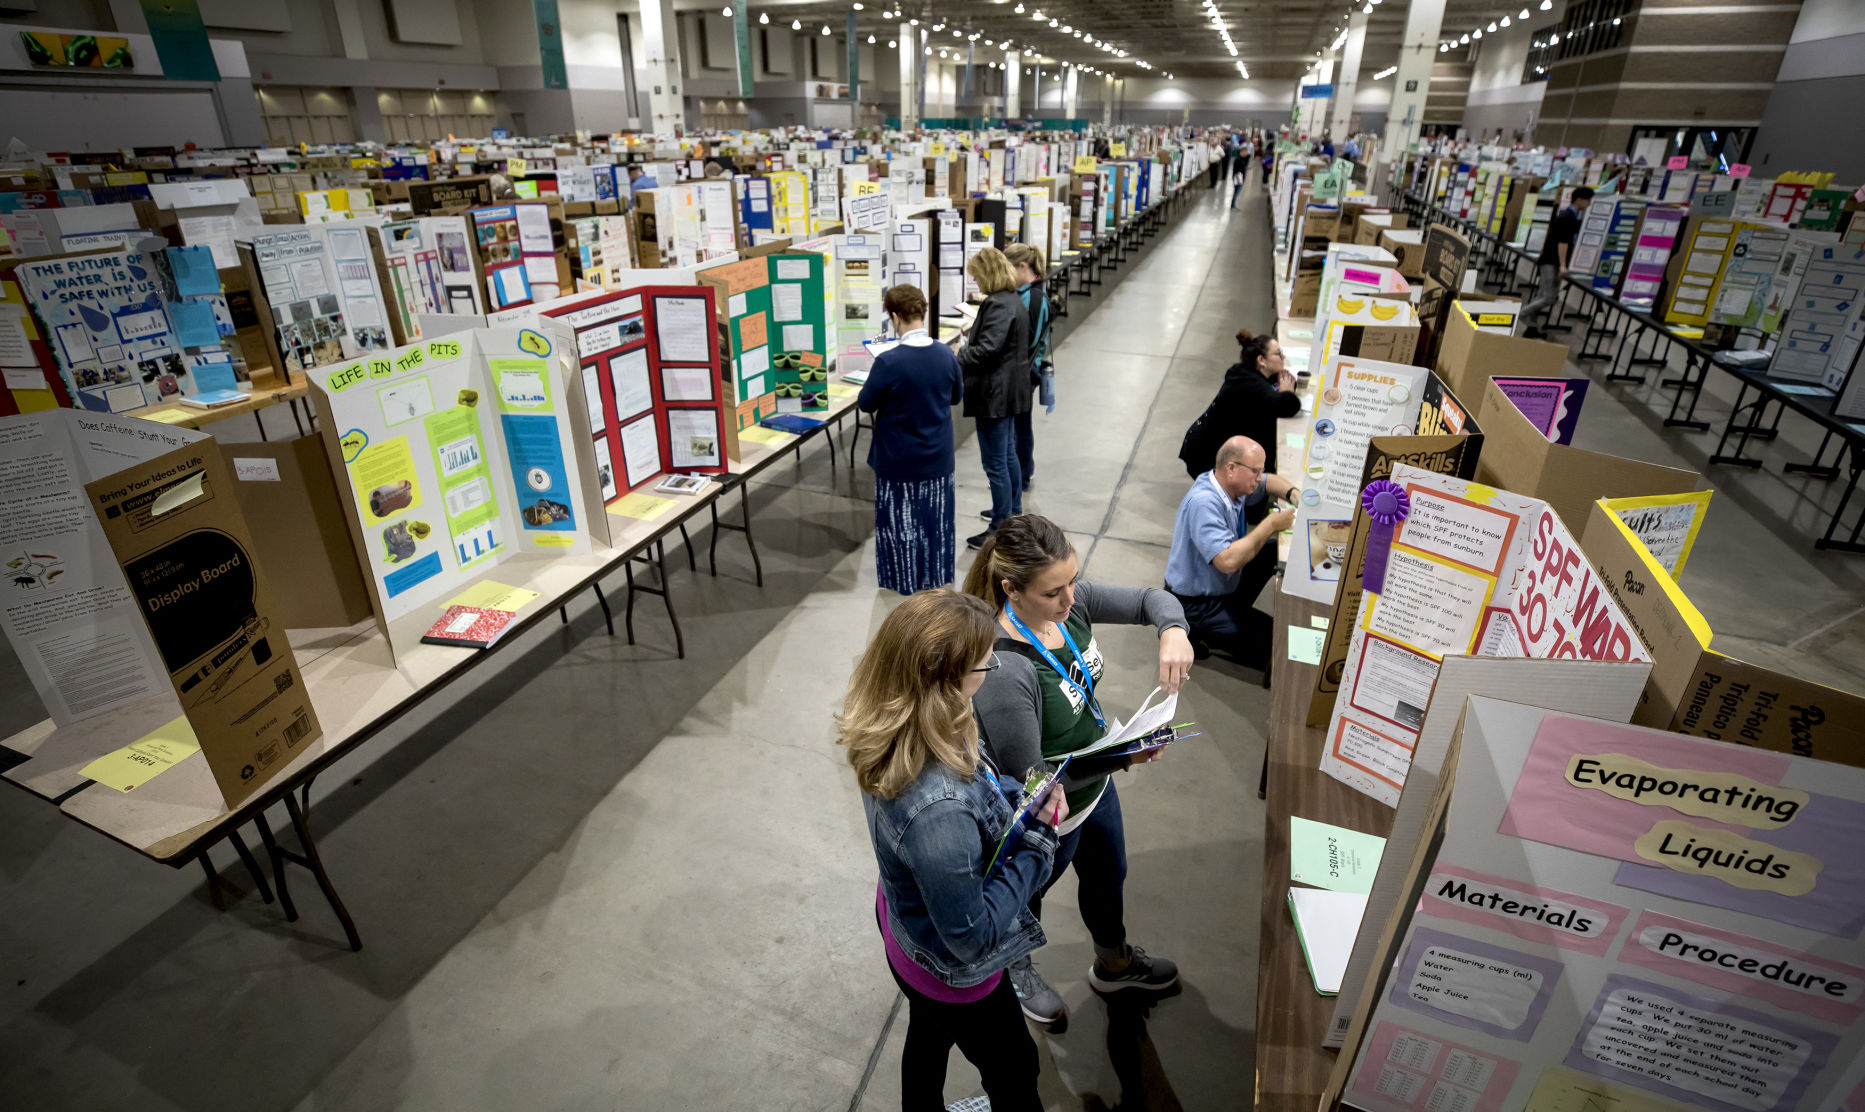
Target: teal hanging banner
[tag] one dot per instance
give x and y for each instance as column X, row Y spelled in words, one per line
column 549, row 44
column 180, row 40
column 741, row 35
column 854, row 63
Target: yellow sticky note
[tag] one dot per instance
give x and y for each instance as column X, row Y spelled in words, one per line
column 643, row 506
column 145, row 758
column 758, row 434
column 843, row 390
column 489, row 595
column 167, row 416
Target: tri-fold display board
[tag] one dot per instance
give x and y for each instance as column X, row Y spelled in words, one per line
column 453, row 456
column 1608, row 917
column 649, row 381
column 772, row 310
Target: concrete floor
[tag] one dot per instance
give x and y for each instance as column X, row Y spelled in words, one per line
column 606, row 878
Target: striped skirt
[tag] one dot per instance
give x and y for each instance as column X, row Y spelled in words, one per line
column 915, row 536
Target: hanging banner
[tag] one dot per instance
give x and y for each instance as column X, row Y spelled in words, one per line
column 180, row 40
column 854, row 65
column 971, row 56
column 549, row 44
column 741, row 39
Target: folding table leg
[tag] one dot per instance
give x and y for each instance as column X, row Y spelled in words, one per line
column 252, row 866
column 310, row 860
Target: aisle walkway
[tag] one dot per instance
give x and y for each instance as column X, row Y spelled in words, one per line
column 610, row 879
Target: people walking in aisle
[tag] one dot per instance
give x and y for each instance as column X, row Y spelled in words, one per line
column 1351, row 151
column 1238, row 176
column 1032, row 289
column 1219, row 565
column 1040, row 706
column 1269, row 160
column 1327, row 146
column 911, row 390
column 998, row 377
column 951, row 915
column 1556, row 252
column 1257, row 391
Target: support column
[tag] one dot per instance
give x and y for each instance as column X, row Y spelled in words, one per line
column 1342, row 118
column 1013, row 84
column 1315, row 112
column 367, row 114
column 1107, row 100
column 661, row 38
column 1412, row 83
column 1071, row 92
column 910, row 69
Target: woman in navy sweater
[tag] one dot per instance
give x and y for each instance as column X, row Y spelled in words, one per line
column 911, row 391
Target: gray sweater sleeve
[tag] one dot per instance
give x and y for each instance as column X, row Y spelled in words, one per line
column 1103, row 605
column 1009, row 709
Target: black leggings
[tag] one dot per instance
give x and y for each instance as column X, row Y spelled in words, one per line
column 989, row 1032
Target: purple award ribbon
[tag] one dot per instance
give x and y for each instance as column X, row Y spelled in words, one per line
column 1387, row 504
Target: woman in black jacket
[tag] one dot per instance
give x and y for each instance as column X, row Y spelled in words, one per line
column 995, row 362
column 1257, row 390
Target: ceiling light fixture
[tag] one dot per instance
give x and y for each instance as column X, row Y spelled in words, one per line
column 1547, row 5
column 1465, row 39
column 1477, row 34
column 893, row 44
column 870, row 40
column 1523, row 14
column 1492, row 27
column 1443, row 47
column 825, row 28
column 727, row 13
column 1505, row 21
column 764, row 17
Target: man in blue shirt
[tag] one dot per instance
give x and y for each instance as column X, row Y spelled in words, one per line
column 639, row 179
column 1217, row 567
column 1352, row 150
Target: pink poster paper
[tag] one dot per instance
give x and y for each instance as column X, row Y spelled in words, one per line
column 1525, row 910
column 1797, row 982
column 1421, row 1071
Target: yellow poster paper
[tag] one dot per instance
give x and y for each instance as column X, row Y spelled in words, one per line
column 166, row 416
column 759, row 435
column 646, row 507
column 490, row 595
column 145, row 758
column 843, row 390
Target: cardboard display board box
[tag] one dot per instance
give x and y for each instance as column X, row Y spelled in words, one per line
column 1697, row 690
column 1408, row 246
column 1517, row 456
column 176, row 527
column 452, row 195
column 300, row 532
column 1469, row 356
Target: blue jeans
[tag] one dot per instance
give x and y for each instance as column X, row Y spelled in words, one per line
column 1098, row 849
column 1026, row 450
column 997, row 448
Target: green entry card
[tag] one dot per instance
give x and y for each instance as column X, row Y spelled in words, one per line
column 1331, row 857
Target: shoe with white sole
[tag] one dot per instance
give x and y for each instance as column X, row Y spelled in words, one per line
column 1041, row 1004
column 1143, row 971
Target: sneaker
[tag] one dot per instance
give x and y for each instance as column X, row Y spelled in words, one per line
column 978, row 541
column 1142, row 971
column 978, row 1103
column 985, row 514
column 1041, row 1003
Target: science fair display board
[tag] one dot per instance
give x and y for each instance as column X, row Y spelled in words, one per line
column 1469, row 570
column 317, row 285
column 772, row 311
column 649, row 382
column 428, row 263
column 1622, row 918
column 133, row 328
column 453, row 456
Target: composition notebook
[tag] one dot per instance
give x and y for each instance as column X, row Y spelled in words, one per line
column 1326, row 922
column 469, row 627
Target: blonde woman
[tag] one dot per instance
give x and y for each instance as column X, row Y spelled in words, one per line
column 998, row 377
column 951, row 917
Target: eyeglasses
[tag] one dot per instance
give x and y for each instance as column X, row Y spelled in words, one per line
column 990, row 666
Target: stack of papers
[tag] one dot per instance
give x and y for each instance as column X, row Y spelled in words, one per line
column 1327, row 923
column 1341, row 864
column 212, row 399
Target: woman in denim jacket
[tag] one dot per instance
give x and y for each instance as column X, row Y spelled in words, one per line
column 950, row 919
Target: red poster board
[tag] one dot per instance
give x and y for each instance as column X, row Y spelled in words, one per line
column 641, row 361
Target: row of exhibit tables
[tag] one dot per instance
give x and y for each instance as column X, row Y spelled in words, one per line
column 359, row 691
column 1760, row 400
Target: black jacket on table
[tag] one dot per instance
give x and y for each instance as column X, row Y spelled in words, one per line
column 995, row 360
column 1246, row 405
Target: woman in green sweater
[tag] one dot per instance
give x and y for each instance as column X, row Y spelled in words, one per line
column 1039, row 706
